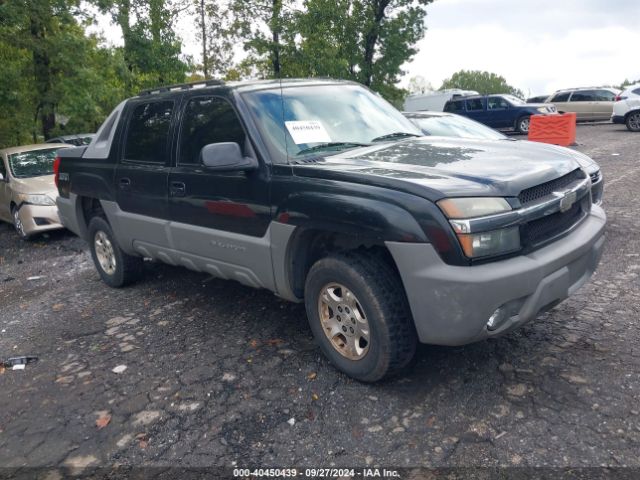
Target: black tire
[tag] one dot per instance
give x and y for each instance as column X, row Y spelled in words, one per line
column 17, row 225
column 127, row 268
column 522, row 125
column 633, row 122
column 380, row 293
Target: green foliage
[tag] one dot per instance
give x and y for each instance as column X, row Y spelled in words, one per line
column 485, row 83
column 58, row 79
column 628, row 83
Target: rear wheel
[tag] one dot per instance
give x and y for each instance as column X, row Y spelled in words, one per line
column 116, row 268
column 633, row 122
column 522, row 125
column 18, row 225
column 359, row 315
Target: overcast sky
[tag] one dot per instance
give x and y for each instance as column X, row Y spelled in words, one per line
column 538, row 45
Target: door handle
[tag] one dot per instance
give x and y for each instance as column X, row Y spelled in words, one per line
column 177, row 189
column 125, row 183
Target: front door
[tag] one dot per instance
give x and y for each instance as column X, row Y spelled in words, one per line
column 5, row 192
column 218, row 215
column 500, row 113
column 583, row 103
column 143, row 170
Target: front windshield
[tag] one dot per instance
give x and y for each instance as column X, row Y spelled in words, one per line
column 325, row 118
column 32, row 164
column 514, row 100
column 455, row 126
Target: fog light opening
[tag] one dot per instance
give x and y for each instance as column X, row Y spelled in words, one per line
column 497, row 319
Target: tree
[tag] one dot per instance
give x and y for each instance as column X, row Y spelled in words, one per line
column 267, row 31
column 419, row 84
column 216, row 35
column 363, row 40
column 485, row 83
column 152, row 51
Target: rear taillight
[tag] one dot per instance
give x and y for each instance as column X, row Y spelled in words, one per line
column 56, row 170
column 619, row 98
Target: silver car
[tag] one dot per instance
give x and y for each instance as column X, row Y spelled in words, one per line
column 27, row 189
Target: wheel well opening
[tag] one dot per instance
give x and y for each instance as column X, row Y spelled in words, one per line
column 91, row 207
column 309, row 246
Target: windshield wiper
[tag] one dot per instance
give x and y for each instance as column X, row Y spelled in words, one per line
column 391, row 136
column 324, row 146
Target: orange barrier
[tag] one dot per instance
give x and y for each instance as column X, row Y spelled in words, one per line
column 556, row 129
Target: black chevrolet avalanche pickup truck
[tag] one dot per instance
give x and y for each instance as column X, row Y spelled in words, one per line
column 323, row 193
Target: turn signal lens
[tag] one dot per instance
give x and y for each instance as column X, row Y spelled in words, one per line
column 485, row 244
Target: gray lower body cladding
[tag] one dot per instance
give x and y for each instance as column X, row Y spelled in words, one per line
column 257, row 262
column 452, row 305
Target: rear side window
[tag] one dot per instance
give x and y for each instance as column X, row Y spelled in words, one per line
column 456, row 106
column 636, row 91
column 474, row 104
column 604, row 96
column 497, row 103
column 584, row 96
column 148, row 132
column 208, row 120
column 561, row 97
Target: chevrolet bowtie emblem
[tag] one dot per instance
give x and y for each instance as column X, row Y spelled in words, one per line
column 567, row 199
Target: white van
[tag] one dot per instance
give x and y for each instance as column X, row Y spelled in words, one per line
column 434, row 101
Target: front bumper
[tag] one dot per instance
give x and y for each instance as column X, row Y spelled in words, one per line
column 451, row 305
column 39, row 218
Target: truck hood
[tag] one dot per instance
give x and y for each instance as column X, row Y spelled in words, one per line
column 437, row 167
column 43, row 184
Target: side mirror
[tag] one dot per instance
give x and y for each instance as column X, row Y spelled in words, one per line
column 227, row 157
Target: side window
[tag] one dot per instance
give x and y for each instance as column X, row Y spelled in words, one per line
column 636, row 91
column 474, row 104
column 497, row 103
column 605, row 96
column 3, row 169
column 457, row 106
column 148, row 133
column 583, row 96
column 561, row 97
column 208, row 120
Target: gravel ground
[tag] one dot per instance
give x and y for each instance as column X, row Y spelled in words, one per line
column 220, row 374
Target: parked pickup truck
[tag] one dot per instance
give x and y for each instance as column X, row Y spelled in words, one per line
column 323, row 193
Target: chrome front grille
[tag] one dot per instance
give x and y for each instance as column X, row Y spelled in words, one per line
column 546, row 189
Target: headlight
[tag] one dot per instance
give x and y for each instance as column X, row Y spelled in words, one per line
column 542, row 109
column 36, row 199
column 455, row 208
column 480, row 244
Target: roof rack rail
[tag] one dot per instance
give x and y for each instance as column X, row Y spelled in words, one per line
column 181, row 86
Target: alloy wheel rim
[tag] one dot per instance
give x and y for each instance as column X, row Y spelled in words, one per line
column 104, row 253
column 343, row 321
column 524, row 125
column 634, row 121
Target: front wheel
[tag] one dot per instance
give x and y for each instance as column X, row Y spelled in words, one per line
column 116, row 268
column 359, row 314
column 633, row 122
column 522, row 125
column 18, row 225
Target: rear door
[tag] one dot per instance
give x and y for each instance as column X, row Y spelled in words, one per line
column 583, row 103
column 476, row 109
column 603, row 104
column 142, row 172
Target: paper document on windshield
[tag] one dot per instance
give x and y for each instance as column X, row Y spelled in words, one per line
column 307, row 131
